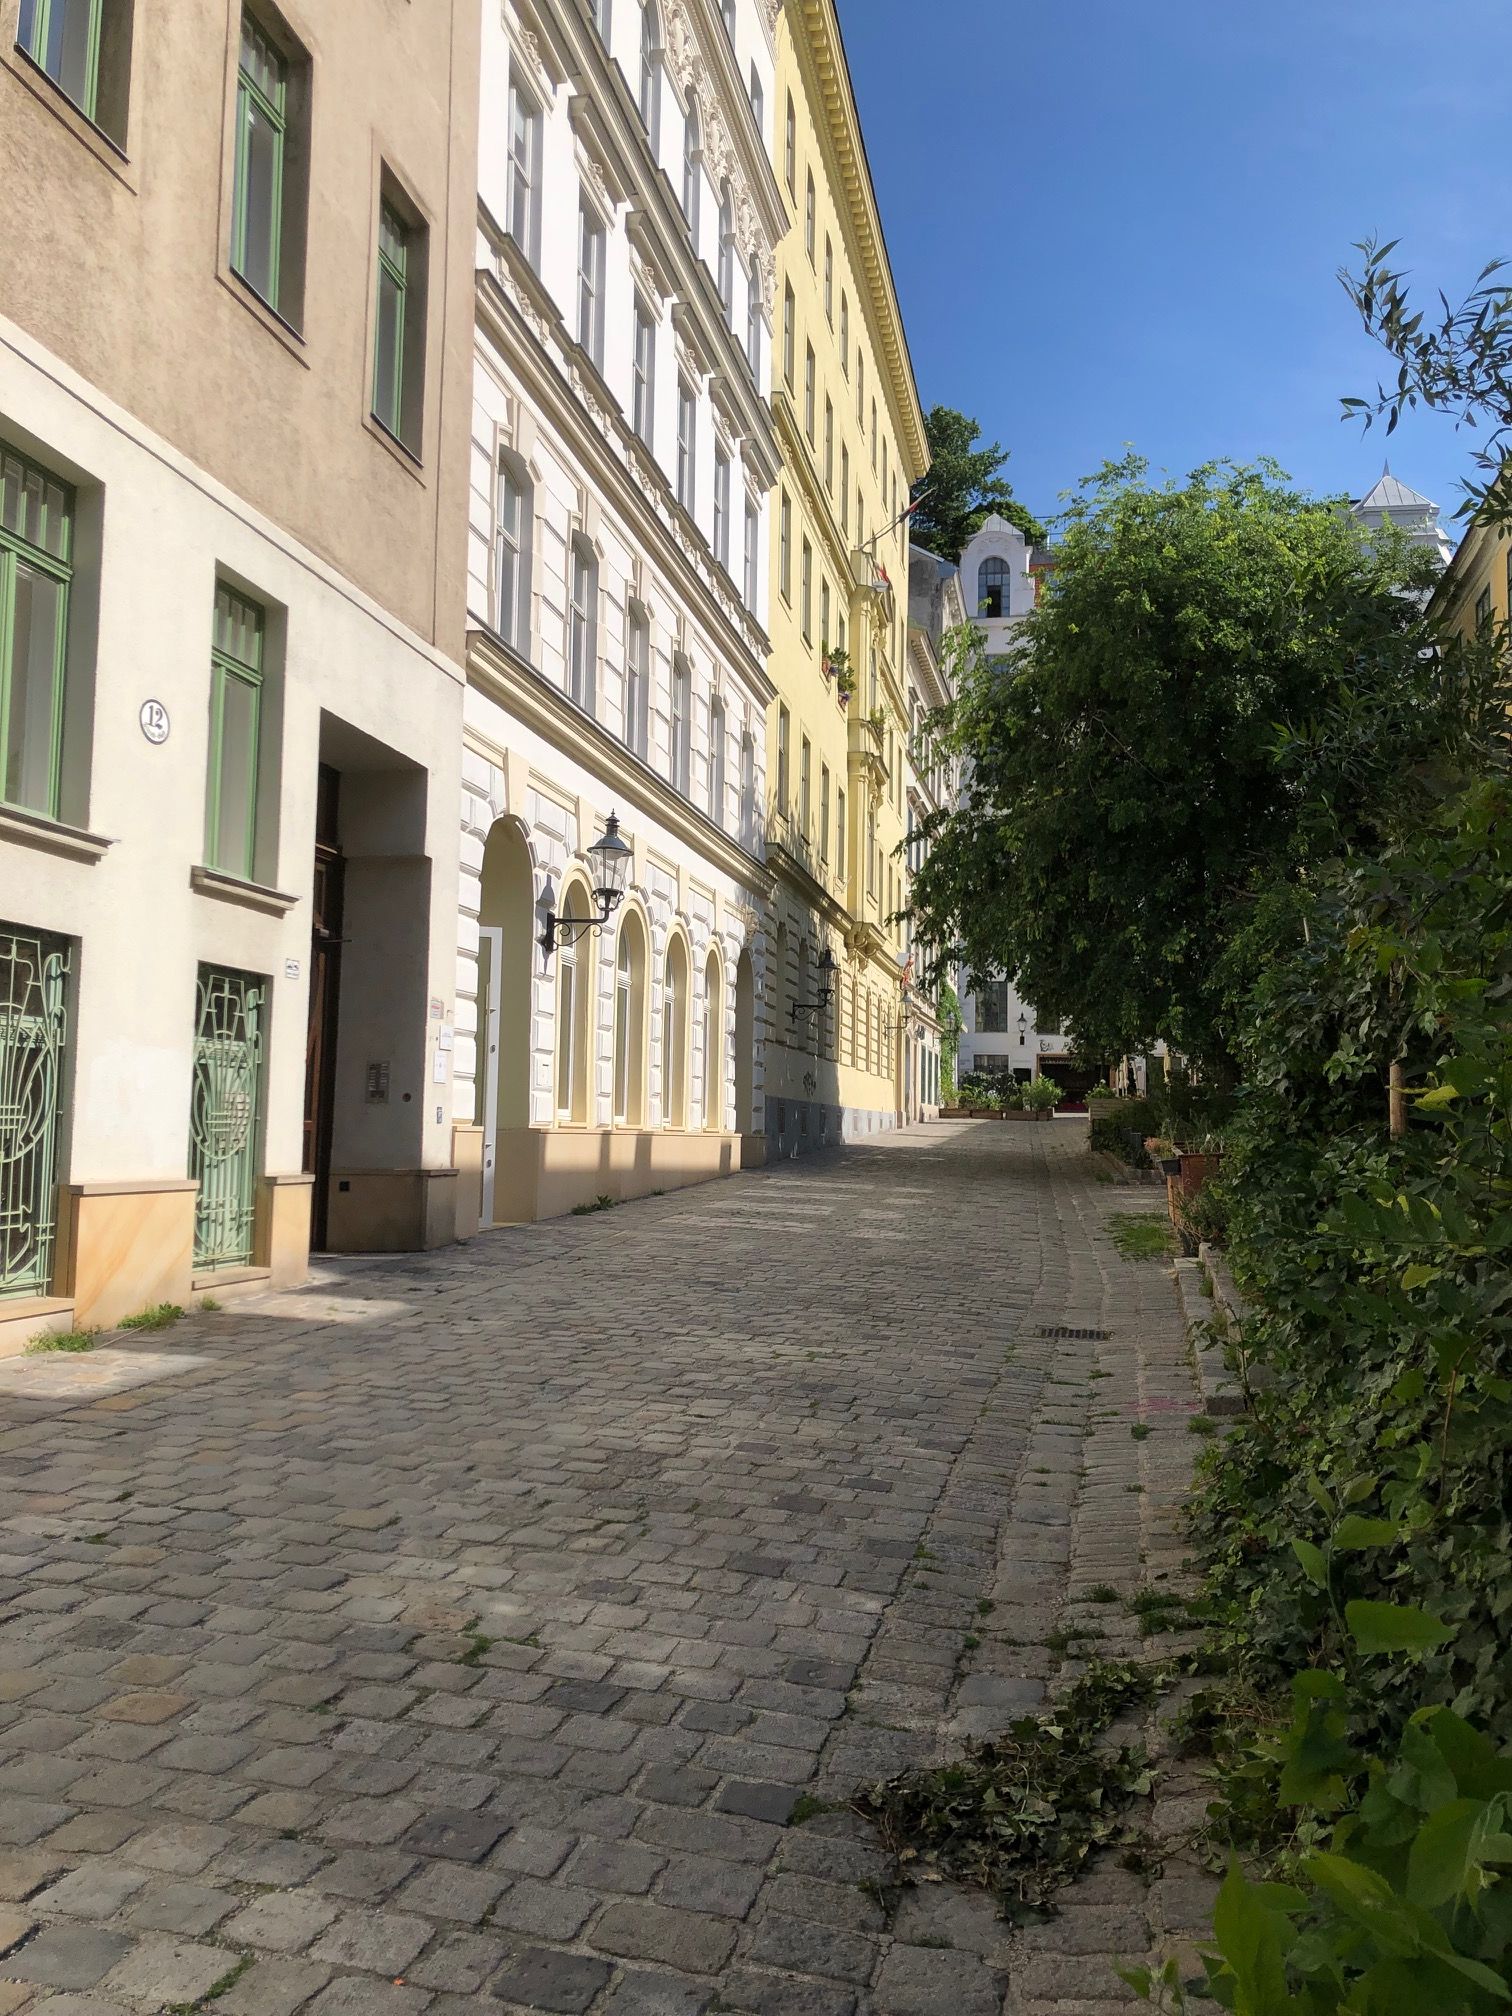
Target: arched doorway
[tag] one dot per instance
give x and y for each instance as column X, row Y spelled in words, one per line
column 745, row 1043
column 506, row 954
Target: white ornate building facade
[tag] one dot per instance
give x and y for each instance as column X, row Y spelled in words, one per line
column 936, row 606
column 623, row 451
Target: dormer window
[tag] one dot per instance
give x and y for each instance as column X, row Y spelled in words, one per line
column 993, row 596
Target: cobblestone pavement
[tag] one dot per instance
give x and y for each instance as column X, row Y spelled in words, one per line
column 499, row 1629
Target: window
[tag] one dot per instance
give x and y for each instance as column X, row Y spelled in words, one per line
column 1483, row 608
column 712, row 1047
column 758, row 104
column 638, row 681
column 806, row 594
column 829, row 281
column 263, row 188
column 36, row 575
column 625, row 1021
column 992, row 1008
column 810, row 219
column 399, row 336
column 726, row 270
column 571, row 993
column 236, row 674
column 860, row 388
column 582, row 625
column 682, row 725
column 600, row 12
column 805, row 781
column 874, row 438
column 785, row 547
column 524, row 206
column 692, row 168
column 884, row 470
column 85, row 47
column 748, row 789
column 650, row 73
column 752, row 556
column 753, row 319
column 824, row 811
column 993, row 587
column 784, row 742
column 590, row 329
column 809, row 376
column 727, row 14
column 789, row 334
column 790, row 148
column 844, row 332
column 840, row 830
column 829, row 445
column 675, row 1036
column 643, row 387
column 514, row 539
column 722, row 508
column 717, row 761
column 845, row 490
column 687, row 445
column 824, row 616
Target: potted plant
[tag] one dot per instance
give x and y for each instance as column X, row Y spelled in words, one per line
column 1164, row 1154
column 1200, row 1163
column 878, row 720
column 1041, row 1097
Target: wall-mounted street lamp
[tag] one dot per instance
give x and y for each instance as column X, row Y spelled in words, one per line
column 611, row 864
column 810, row 1011
column 1023, row 1030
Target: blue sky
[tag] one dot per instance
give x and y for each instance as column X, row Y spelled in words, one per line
column 1116, row 223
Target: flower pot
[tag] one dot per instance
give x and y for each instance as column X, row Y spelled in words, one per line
column 1169, row 1165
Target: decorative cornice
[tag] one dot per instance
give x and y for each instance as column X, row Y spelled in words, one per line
column 815, row 28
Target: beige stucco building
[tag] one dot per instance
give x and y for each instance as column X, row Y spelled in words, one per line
column 235, row 353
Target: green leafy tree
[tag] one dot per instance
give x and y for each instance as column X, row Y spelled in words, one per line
column 965, row 485
column 1459, row 363
column 1221, row 686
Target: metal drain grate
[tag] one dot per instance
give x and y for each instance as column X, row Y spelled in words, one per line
column 1064, row 1331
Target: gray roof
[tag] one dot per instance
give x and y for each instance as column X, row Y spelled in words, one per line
column 1392, row 494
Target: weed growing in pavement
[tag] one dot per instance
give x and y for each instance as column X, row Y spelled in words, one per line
column 1142, row 1235
column 1201, row 1424
column 1020, row 1815
column 62, row 1340
column 161, row 1316
column 598, row 1204
column 209, row 1304
column 1159, row 1609
column 1140, row 1430
column 1102, row 1592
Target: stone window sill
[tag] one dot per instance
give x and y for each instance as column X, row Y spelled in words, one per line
column 232, row 889
column 34, row 829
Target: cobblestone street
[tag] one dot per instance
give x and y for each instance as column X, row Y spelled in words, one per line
column 463, row 1631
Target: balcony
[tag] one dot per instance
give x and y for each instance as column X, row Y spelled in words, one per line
column 867, row 748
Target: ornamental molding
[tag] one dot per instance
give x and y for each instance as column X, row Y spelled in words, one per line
column 692, row 73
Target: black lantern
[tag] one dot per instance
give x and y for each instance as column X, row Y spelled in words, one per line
column 610, row 856
column 1023, row 1029
column 810, row 1011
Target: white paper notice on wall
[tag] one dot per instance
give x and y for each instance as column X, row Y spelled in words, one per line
column 438, row 1068
column 445, row 1037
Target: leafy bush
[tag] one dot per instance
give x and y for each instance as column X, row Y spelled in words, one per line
column 1041, row 1095
column 1119, row 1124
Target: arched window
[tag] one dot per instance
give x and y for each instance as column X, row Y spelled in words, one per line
column 717, row 761
column 758, row 104
column 650, row 72
column 574, row 1008
column 727, row 252
column 692, row 167
column 630, row 1024
column 993, row 578
column 713, row 1045
column 675, row 1036
column 753, row 318
column 513, row 543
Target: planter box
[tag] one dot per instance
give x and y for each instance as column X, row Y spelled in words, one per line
column 1197, row 1170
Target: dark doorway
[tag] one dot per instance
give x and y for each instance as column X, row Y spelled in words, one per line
column 325, row 998
column 1073, row 1079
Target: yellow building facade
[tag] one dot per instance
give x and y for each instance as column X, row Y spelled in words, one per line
column 851, row 436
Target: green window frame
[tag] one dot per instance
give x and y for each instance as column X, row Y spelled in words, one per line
column 62, row 37
column 392, row 313
column 236, row 680
column 262, row 84
column 36, row 580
